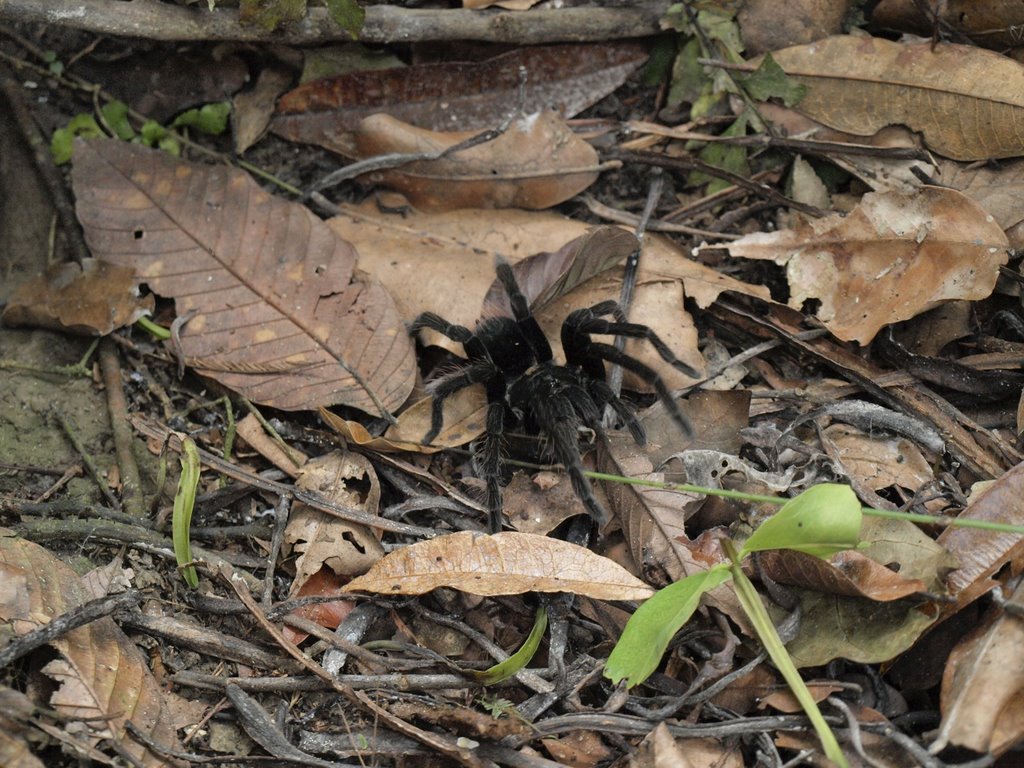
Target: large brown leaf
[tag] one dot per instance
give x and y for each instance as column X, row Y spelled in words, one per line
column 455, row 95
column 968, row 102
column 891, row 258
column 283, row 317
column 537, row 163
column 102, row 676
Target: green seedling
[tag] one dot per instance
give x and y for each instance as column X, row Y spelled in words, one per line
column 184, row 502
column 517, row 660
column 821, row 521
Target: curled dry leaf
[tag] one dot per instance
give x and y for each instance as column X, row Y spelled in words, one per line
column 320, row 539
column 505, row 563
column 537, row 163
column 983, row 686
column 968, row 102
column 282, row 314
column 846, row 573
column 456, row 95
column 982, row 553
column 101, row 675
column 893, row 257
column 92, row 298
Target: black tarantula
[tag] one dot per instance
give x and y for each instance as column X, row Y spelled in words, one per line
column 511, row 357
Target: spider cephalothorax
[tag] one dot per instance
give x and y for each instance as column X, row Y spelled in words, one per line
column 511, row 357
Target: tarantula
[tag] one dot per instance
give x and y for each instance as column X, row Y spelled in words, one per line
column 511, row 357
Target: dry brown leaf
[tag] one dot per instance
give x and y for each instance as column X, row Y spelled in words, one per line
column 893, row 257
column 346, row 548
column 968, row 102
column 92, row 298
column 537, row 163
column 653, row 521
column 983, row 686
column 101, row 675
column 289, row 461
column 252, row 109
column 284, row 317
column 456, row 95
column 999, row 190
column 982, row 553
column 993, row 24
column 413, row 256
column 507, row 563
column 846, row 573
column 878, row 462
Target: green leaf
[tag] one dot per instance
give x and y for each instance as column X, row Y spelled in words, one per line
column 649, row 631
column 348, row 15
column 769, row 81
column 62, row 143
column 116, row 116
column 517, row 660
column 211, row 119
column 821, row 521
column 769, row 637
column 728, row 157
column 184, row 502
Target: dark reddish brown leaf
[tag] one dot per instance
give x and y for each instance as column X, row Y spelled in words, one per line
column 282, row 316
column 846, row 573
column 537, row 163
column 456, row 96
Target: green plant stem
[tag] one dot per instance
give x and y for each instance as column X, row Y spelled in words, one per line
column 891, row 514
column 780, row 657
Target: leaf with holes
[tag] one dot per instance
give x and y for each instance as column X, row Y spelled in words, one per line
column 281, row 315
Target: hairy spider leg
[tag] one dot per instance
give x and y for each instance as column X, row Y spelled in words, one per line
column 555, row 409
column 488, row 462
column 615, row 357
column 592, row 321
column 528, row 325
column 480, row 369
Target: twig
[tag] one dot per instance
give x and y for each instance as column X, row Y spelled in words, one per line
column 384, row 23
column 131, row 483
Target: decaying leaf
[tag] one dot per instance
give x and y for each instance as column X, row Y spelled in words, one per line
column 982, row 553
column 983, row 686
column 505, row 563
column 845, row 573
column 968, row 102
column 283, row 316
column 893, row 257
column 456, row 96
column 346, row 548
column 537, row 163
column 92, row 298
column 994, row 24
column 101, row 674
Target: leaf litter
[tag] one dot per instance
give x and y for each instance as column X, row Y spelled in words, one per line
column 301, row 318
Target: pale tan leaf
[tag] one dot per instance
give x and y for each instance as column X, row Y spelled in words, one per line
column 286, row 458
column 507, row 563
column 892, row 258
column 878, row 462
column 101, row 674
column 998, row 189
column 537, row 163
column 283, row 316
column 968, row 102
column 320, row 539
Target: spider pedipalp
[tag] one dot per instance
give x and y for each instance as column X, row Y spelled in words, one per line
column 525, row 389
